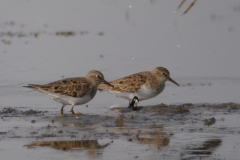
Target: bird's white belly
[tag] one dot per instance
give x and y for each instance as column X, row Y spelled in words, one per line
column 143, row 93
column 67, row 100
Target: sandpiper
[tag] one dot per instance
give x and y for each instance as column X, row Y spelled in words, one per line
column 139, row 86
column 72, row 91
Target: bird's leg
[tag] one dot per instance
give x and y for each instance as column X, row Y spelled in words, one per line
column 72, row 109
column 61, row 111
column 131, row 103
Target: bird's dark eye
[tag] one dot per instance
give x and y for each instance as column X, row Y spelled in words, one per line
column 164, row 74
column 98, row 76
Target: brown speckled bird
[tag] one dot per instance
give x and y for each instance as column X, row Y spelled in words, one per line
column 72, row 91
column 139, row 86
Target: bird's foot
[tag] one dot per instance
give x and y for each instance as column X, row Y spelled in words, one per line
column 72, row 111
column 133, row 102
column 61, row 111
column 135, row 105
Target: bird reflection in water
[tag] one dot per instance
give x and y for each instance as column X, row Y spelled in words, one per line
column 158, row 139
column 90, row 145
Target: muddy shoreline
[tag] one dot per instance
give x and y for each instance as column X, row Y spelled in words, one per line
column 151, row 127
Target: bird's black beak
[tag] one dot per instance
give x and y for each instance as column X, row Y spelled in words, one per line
column 171, row 80
column 107, row 83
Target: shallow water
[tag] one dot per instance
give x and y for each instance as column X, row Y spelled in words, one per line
column 44, row 41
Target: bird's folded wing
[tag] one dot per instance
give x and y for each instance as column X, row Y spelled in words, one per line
column 75, row 87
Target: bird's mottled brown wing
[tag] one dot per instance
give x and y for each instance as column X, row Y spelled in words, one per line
column 75, row 87
column 129, row 83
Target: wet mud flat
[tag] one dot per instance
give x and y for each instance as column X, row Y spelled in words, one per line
column 186, row 131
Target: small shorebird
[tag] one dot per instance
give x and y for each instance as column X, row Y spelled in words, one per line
column 139, row 86
column 72, row 91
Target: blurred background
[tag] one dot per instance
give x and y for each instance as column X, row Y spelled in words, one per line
column 44, row 41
